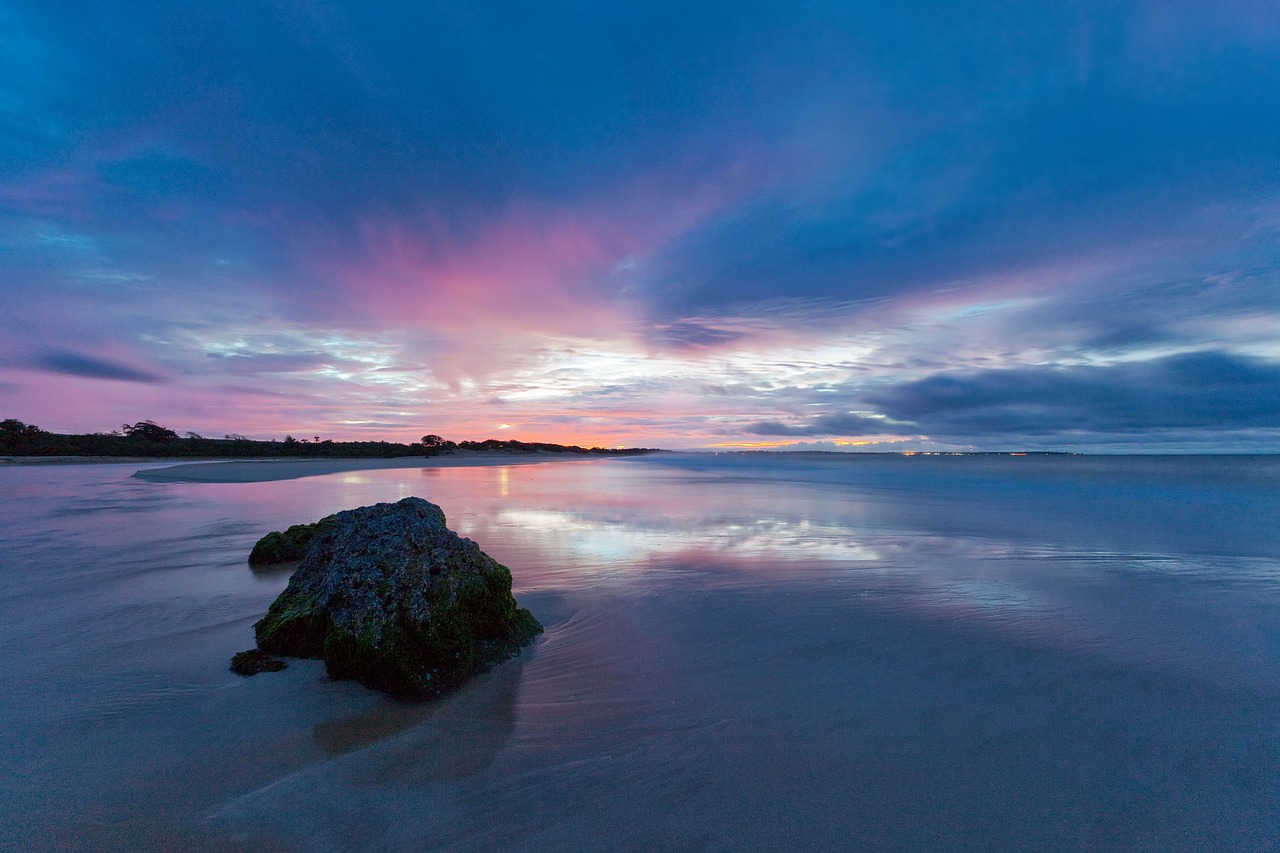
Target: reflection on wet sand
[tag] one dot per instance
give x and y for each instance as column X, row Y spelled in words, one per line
column 464, row 737
column 871, row 654
column 465, row 732
column 607, row 536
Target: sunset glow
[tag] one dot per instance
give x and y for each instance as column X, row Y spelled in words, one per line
column 774, row 227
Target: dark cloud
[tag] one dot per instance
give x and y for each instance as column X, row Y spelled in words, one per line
column 332, row 111
column 1011, row 170
column 1188, row 398
column 834, row 424
column 78, row 364
column 1017, row 134
column 1205, row 391
column 1157, row 304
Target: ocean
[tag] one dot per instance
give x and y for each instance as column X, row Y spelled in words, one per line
column 743, row 652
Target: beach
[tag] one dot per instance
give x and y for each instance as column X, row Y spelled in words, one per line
column 179, row 470
column 741, row 653
column 267, row 470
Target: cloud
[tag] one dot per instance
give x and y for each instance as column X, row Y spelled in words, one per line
column 1213, row 391
column 89, row 367
column 1007, row 168
column 692, row 335
column 254, row 364
column 643, row 219
column 1190, row 398
column 835, row 425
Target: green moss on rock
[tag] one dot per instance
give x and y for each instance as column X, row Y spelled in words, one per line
column 292, row 628
column 287, row 546
column 389, row 596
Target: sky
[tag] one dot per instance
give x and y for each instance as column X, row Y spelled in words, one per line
column 825, row 225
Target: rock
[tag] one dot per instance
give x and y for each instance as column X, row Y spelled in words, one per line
column 389, row 596
column 291, row 545
column 255, row 661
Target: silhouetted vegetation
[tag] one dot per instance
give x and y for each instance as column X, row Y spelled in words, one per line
column 148, row 439
column 149, row 431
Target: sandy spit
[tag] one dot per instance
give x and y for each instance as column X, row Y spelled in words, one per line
column 264, row 470
column 74, row 460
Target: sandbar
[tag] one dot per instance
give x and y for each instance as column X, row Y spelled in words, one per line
column 75, row 460
column 265, row 470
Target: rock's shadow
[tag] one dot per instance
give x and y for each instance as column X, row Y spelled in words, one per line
column 268, row 570
column 451, row 737
column 459, row 733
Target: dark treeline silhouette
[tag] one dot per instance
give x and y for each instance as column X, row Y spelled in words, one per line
column 147, row 438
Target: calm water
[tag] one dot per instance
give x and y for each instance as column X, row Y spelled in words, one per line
column 780, row 652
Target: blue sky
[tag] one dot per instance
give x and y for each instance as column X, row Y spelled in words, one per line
column 888, row 226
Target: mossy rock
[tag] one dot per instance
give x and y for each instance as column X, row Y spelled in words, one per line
column 389, row 596
column 288, row 546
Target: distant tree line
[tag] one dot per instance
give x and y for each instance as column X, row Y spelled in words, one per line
column 149, row 439
column 435, row 442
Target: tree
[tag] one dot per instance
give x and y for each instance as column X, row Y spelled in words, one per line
column 14, row 428
column 14, row 433
column 432, row 441
column 149, row 431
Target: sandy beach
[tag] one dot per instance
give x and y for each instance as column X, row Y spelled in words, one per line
column 269, row 470
column 74, row 460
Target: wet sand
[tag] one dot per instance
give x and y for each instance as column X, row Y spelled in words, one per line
column 879, row 654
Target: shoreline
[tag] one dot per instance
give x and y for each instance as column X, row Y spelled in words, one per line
column 269, row 470
column 27, row 461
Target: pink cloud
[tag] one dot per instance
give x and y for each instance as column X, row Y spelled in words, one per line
column 524, row 272
column 531, row 273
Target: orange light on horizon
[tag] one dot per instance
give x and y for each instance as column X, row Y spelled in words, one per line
column 755, row 444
